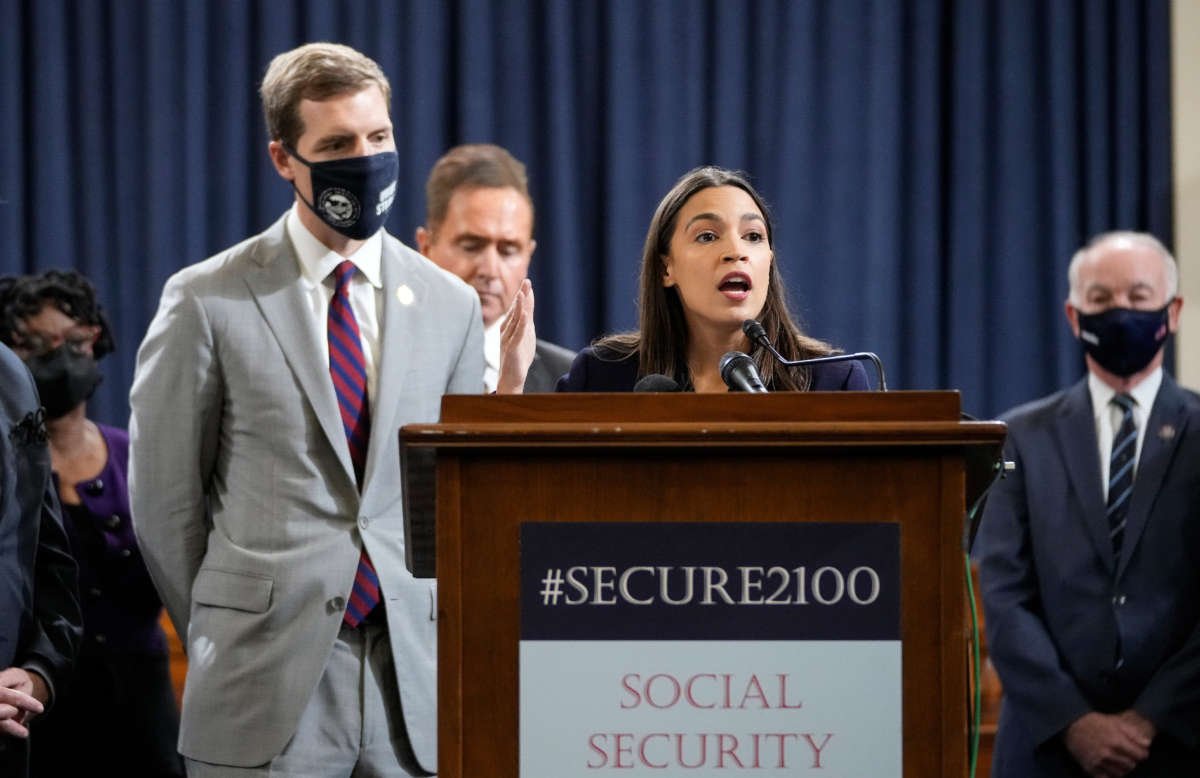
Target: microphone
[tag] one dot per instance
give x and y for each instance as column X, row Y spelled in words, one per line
column 740, row 374
column 754, row 330
column 656, row 382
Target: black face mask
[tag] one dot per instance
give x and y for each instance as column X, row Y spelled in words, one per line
column 1122, row 340
column 352, row 195
column 65, row 378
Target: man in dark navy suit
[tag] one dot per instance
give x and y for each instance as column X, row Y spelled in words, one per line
column 40, row 621
column 1090, row 550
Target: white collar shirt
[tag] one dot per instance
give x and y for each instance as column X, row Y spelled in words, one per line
column 491, row 354
column 317, row 263
column 1108, row 416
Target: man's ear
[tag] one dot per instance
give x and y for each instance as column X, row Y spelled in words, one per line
column 1176, row 306
column 282, row 160
column 424, row 240
column 1072, row 317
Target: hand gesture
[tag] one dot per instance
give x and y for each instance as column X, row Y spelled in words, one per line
column 518, row 341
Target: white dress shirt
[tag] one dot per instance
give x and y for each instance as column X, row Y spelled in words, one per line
column 317, row 263
column 491, row 354
column 1108, row 417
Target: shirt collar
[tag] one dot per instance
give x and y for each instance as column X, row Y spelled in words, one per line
column 491, row 343
column 317, row 260
column 1143, row 394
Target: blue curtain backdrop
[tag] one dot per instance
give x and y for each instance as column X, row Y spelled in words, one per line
column 931, row 164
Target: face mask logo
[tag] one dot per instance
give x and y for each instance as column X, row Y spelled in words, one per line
column 342, row 187
column 1123, row 341
column 339, row 207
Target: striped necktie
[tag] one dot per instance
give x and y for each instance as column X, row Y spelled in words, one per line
column 348, row 368
column 1120, row 472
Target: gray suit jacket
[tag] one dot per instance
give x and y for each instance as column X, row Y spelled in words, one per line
column 550, row 361
column 243, row 492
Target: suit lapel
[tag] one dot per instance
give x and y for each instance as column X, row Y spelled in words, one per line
column 279, row 294
column 1076, row 437
column 1164, row 430
column 539, row 374
column 402, row 295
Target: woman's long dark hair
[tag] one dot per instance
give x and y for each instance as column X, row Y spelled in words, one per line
column 660, row 343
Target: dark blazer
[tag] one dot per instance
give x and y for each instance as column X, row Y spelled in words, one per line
column 1060, row 610
column 590, row 373
column 120, row 604
column 550, row 361
column 40, row 624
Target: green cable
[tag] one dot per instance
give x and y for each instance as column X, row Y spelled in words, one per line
column 974, row 731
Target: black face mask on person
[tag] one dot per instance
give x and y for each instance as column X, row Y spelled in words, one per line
column 1122, row 340
column 65, row 378
column 352, row 195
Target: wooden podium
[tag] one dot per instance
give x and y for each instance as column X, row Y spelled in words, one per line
column 897, row 457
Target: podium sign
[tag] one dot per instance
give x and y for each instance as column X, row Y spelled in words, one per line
column 662, row 649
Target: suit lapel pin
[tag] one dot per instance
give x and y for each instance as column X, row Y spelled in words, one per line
column 405, row 294
column 1166, row 431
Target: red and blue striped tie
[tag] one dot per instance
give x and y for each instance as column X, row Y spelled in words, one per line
column 348, row 368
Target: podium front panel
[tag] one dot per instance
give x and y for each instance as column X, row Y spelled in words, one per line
column 486, row 494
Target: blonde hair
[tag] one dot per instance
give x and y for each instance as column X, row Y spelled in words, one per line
column 314, row 71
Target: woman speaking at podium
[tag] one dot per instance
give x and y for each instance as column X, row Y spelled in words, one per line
column 708, row 265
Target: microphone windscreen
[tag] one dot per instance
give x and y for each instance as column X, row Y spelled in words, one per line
column 754, row 331
column 656, row 382
column 739, row 373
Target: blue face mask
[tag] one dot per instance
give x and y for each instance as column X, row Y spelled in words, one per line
column 352, row 195
column 1122, row 340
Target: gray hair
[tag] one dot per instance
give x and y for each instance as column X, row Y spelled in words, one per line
column 1170, row 267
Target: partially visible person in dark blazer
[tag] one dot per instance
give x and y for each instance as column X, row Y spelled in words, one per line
column 479, row 226
column 1090, row 550
column 39, row 603
column 54, row 322
column 708, row 265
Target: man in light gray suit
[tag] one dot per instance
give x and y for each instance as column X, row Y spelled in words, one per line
column 479, row 226
column 264, row 468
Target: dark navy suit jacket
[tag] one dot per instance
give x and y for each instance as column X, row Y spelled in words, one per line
column 1070, row 628
column 40, row 624
column 590, row 373
column 120, row 604
column 550, row 361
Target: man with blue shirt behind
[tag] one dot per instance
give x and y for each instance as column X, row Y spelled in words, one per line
column 1090, row 550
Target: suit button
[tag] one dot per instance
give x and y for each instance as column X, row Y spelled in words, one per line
column 363, row 522
column 94, row 592
column 126, row 553
column 113, row 521
column 101, row 639
column 1118, row 599
column 336, row 605
column 96, row 487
